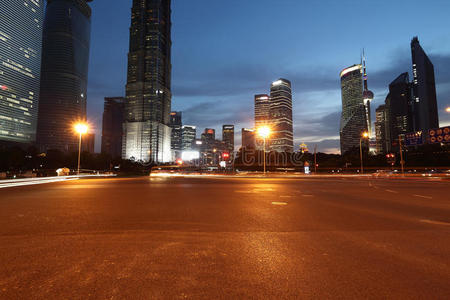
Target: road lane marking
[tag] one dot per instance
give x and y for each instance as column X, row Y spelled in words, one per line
column 263, row 190
column 308, row 195
column 426, row 197
column 244, row 192
column 435, row 222
column 286, row 196
column 391, row 191
column 279, row 203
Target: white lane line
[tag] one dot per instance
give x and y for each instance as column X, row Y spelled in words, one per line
column 308, row 195
column 286, row 196
column 279, row 203
column 421, row 196
column 435, row 222
column 391, row 191
column 244, row 192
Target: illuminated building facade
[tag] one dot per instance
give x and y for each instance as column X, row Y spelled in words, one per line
column 282, row 137
column 248, row 138
column 380, row 129
column 353, row 117
column 20, row 67
column 262, row 115
column 398, row 111
column 112, row 126
column 176, row 140
column 228, row 136
column 148, row 92
column 424, row 90
column 65, row 59
column 189, row 134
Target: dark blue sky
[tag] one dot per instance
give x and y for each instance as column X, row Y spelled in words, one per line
column 224, row 52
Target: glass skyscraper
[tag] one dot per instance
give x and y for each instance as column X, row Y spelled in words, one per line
column 282, row 137
column 148, row 91
column 176, row 143
column 353, row 117
column 20, row 67
column 65, row 58
column 189, row 134
column 424, row 90
column 228, row 136
column 112, row 126
column 262, row 115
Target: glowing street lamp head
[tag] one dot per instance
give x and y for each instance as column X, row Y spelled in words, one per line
column 447, row 109
column 264, row 131
column 365, row 134
column 81, row 128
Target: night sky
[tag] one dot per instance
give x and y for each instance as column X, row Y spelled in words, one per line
column 225, row 52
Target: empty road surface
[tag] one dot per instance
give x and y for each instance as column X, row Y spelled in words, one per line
column 226, row 238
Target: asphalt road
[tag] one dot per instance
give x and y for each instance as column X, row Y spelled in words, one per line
column 226, row 238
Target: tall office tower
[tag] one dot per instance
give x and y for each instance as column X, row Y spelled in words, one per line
column 398, row 112
column 189, row 134
column 228, row 136
column 424, row 90
column 65, row 59
column 148, row 91
column 88, row 143
column 113, row 114
column 353, row 117
column 282, row 137
column 248, row 138
column 380, row 129
column 20, row 68
column 262, row 115
column 176, row 142
column 209, row 139
column 367, row 98
column 262, row 110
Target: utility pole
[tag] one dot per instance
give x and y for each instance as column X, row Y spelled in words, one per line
column 402, row 162
column 315, row 159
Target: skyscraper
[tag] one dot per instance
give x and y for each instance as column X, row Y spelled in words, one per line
column 228, row 136
column 189, row 134
column 424, row 90
column 148, row 91
column 367, row 98
column 282, row 137
column 209, row 139
column 380, row 129
column 262, row 115
column 398, row 112
column 20, row 68
column 65, row 59
column 262, row 110
column 176, row 141
column 353, row 117
column 248, row 138
column 113, row 114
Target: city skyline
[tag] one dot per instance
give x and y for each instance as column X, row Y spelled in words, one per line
column 229, row 78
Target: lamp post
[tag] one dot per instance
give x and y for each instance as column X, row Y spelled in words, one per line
column 264, row 132
column 365, row 135
column 81, row 129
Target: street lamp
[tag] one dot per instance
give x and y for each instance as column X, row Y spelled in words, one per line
column 447, row 109
column 365, row 135
column 264, row 132
column 80, row 128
